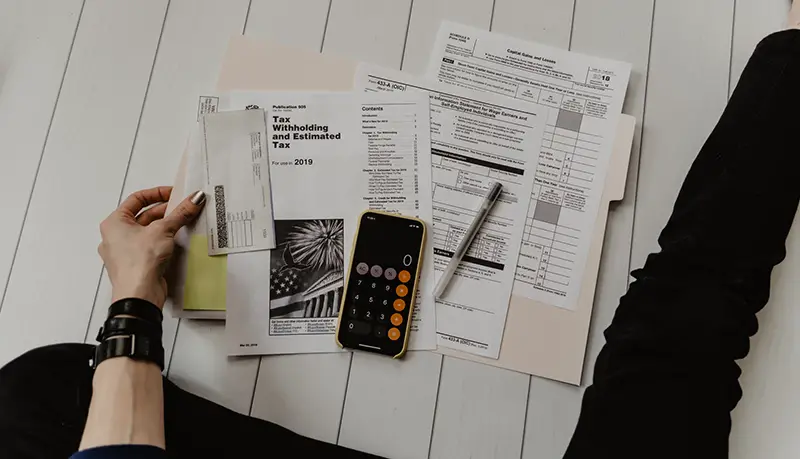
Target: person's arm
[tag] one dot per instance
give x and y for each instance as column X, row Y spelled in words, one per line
column 127, row 406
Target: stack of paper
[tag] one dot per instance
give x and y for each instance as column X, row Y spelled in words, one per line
column 332, row 156
column 542, row 121
column 478, row 138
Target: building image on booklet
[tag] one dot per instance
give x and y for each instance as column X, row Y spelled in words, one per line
column 306, row 276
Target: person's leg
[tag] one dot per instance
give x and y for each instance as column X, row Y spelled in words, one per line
column 196, row 427
column 44, row 400
column 666, row 380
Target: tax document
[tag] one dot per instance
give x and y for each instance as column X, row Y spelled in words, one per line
column 333, row 156
column 237, row 182
column 476, row 139
column 583, row 97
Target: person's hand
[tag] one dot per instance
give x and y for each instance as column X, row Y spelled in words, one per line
column 137, row 244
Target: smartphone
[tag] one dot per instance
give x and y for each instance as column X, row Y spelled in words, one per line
column 378, row 300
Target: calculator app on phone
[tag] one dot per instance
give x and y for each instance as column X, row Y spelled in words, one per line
column 378, row 301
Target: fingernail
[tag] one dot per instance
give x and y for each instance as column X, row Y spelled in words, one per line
column 198, row 198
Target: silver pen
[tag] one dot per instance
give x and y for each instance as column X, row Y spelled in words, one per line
column 472, row 231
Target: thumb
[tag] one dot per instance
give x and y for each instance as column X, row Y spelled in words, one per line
column 185, row 213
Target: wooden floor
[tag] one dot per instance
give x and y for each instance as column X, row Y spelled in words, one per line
column 97, row 98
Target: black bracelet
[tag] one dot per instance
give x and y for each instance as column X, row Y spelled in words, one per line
column 137, row 347
column 137, row 337
column 128, row 326
column 136, row 307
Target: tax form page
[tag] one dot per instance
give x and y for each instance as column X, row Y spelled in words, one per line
column 583, row 97
column 476, row 139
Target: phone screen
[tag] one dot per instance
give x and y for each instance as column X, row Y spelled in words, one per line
column 379, row 298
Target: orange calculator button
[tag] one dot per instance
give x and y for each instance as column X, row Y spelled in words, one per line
column 404, row 276
column 401, row 290
column 396, row 319
column 394, row 334
column 399, row 305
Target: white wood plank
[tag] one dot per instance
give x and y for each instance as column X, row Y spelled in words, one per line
column 200, row 365
column 390, row 404
column 469, row 388
column 480, row 411
column 454, row 432
column 290, row 388
column 369, row 30
column 687, row 91
column 180, row 75
column 762, row 422
column 543, row 21
column 753, row 21
column 57, row 268
column 376, row 32
column 298, row 23
column 283, row 21
column 553, row 409
column 616, row 29
column 34, row 50
column 206, row 372
column 425, row 19
column 10, row 23
column 14, row 18
column 304, row 393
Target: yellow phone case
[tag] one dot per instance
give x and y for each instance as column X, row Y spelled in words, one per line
column 413, row 296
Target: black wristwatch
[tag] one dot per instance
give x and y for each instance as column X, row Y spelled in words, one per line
column 137, row 347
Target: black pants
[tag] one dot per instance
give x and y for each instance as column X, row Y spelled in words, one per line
column 44, row 400
column 666, row 380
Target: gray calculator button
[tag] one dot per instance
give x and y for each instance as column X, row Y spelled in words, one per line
column 362, row 268
column 390, row 273
column 376, row 271
column 359, row 328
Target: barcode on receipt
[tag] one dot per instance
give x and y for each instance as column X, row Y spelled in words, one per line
column 222, row 222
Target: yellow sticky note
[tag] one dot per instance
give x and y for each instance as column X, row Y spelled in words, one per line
column 206, row 277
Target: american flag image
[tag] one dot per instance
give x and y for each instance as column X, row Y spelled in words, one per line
column 286, row 288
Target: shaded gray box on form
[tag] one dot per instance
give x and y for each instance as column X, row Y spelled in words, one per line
column 546, row 212
column 568, row 120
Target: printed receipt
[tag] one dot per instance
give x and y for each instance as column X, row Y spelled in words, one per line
column 476, row 139
column 583, row 97
column 333, row 155
column 239, row 216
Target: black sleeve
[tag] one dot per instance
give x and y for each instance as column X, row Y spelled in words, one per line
column 667, row 379
column 121, row 452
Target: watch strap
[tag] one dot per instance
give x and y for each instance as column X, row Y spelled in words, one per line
column 127, row 326
column 136, row 347
column 136, row 307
